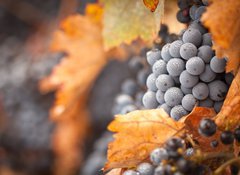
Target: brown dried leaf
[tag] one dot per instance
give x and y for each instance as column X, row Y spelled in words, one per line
column 222, row 19
column 192, row 122
column 229, row 116
column 137, row 134
column 151, row 4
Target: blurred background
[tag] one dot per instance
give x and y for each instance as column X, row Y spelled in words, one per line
column 26, row 130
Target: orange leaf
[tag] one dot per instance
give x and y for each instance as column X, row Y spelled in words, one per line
column 137, row 134
column 224, row 28
column 117, row 171
column 229, row 116
column 151, row 4
column 80, row 38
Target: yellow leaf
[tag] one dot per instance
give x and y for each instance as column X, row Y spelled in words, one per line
column 137, row 134
column 229, row 116
column 222, row 19
column 126, row 20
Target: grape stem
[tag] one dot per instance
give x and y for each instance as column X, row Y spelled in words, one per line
column 219, row 170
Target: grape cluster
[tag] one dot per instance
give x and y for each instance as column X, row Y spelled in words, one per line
column 171, row 159
column 133, row 88
column 191, row 10
column 186, row 73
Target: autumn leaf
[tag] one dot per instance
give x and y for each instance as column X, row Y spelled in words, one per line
column 191, row 127
column 137, row 134
column 79, row 37
column 126, row 20
column 222, row 19
column 151, row 4
column 229, row 116
column 116, row 171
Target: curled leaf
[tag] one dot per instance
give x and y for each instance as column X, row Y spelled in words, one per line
column 151, row 4
column 137, row 134
column 191, row 127
column 224, row 28
column 229, row 116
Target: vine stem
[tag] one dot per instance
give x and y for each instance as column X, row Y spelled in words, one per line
column 219, row 170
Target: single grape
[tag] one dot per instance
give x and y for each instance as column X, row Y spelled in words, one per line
column 217, row 90
column 149, row 100
column 142, row 76
column 199, row 12
column 124, row 99
column 166, row 108
column 218, row 65
column 159, row 170
column 173, row 96
column 129, row 87
column 227, row 137
column 200, row 91
column 160, row 97
column 207, row 127
column 198, row 26
column 207, row 39
column 183, row 4
column 151, row 85
column 120, row 102
column 237, row 134
column 187, row 80
column 186, row 90
column 130, row 172
column 128, row 108
column 229, row 78
column 153, row 56
column 195, row 66
column 188, row 102
column 158, row 155
column 165, row 52
column 206, row 103
column 178, row 112
column 183, row 16
column 193, row 36
column 208, row 75
column 192, row 11
column 188, row 50
column 217, row 106
column 184, row 166
column 159, row 67
column 164, row 82
column 136, row 64
column 175, row 66
column 205, row 52
column 174, row 143
column 174, row 49
column 145, row 169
